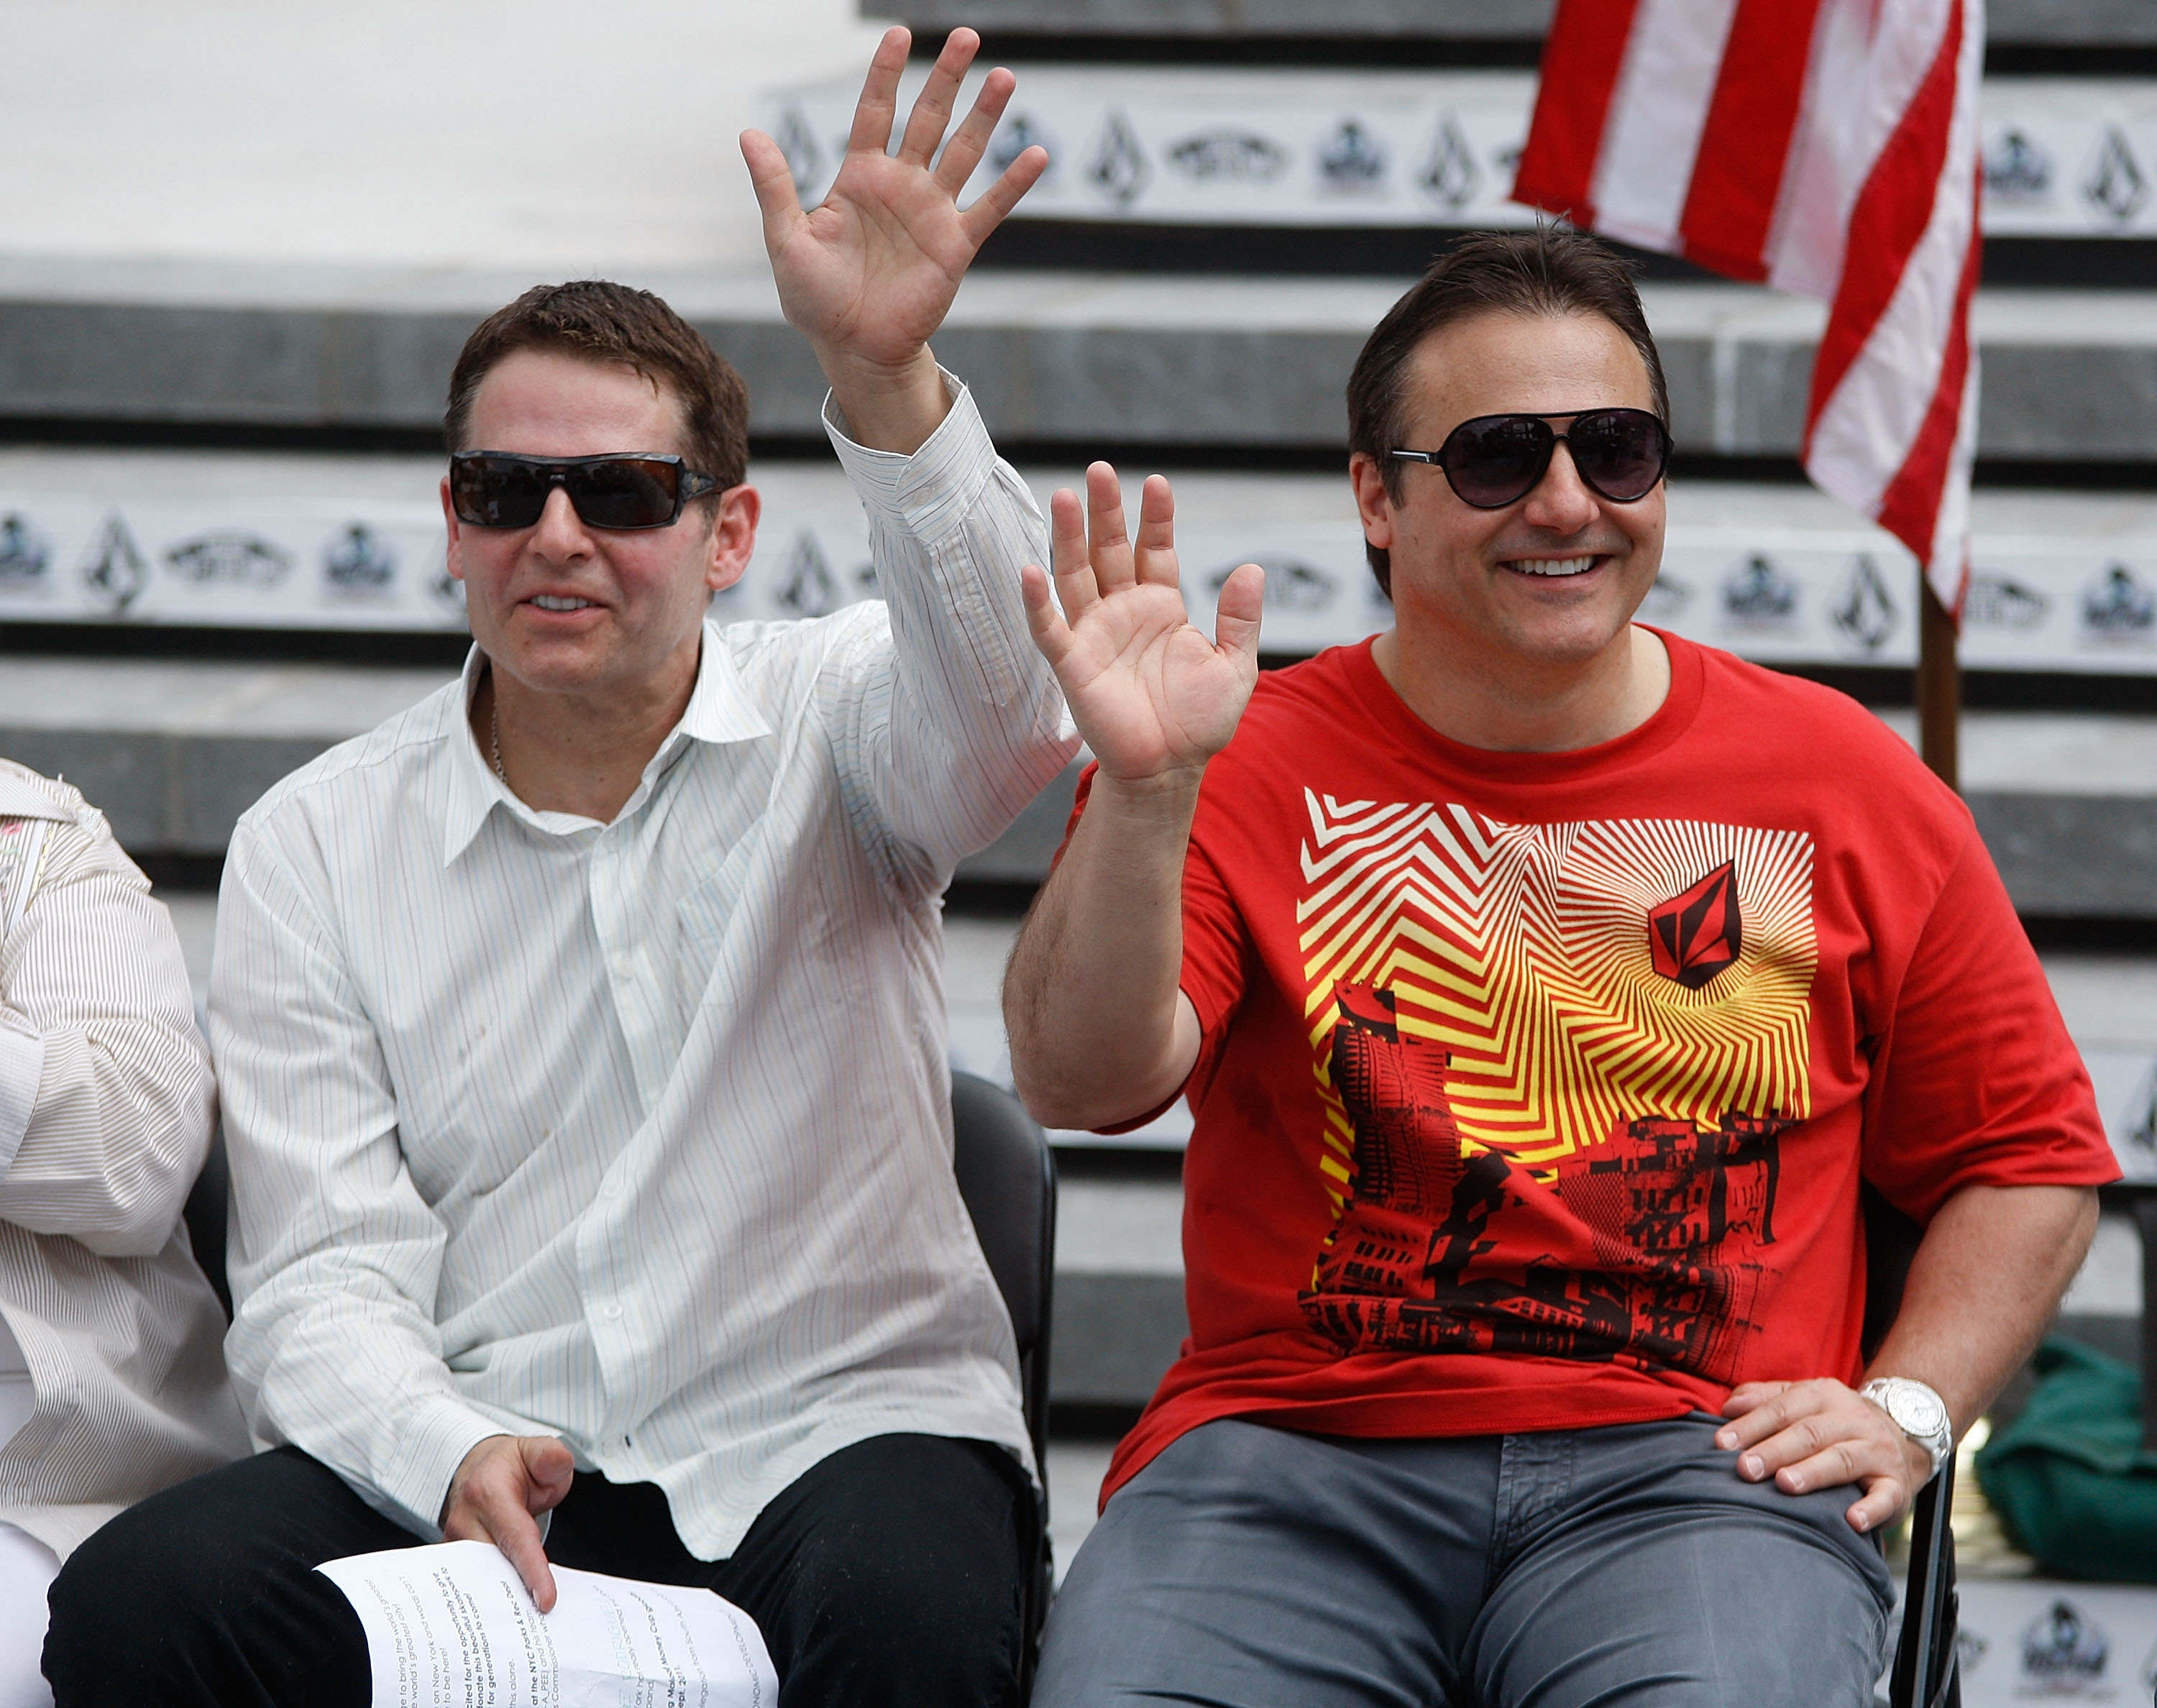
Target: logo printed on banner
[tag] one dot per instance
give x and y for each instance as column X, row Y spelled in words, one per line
column 358, row 561
column 2001, row 602
column 113, row 570
column 24, row 552
column 1759, row 595
column 1352, row 163
column 1449, row 175
column 2119, row 607
column 797, row 141
column 230, row 557
column 1864, row 613
column 1016, row 134
column 2016, row 169
column 1241, row 157
column 808, row 588
column 2116, row 185
column 1120, row 169
column 1291, row 583
column 1665, row 599
column 2064, row 1647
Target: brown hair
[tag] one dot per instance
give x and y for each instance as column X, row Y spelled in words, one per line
column 1547, row 271
column 605, row 322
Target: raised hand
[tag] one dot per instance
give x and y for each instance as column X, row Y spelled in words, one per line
column 869, row 274
column 1151, row 695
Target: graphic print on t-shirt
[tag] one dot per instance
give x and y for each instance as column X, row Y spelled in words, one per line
column 1556, row 1062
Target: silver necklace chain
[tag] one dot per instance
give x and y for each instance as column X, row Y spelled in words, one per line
column 494, row 741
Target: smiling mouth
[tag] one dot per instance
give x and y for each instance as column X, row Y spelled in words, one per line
column 556, row 601
column 1552, row 565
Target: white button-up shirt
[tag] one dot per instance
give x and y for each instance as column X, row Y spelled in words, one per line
column 638, row 1133
column 112, row 1386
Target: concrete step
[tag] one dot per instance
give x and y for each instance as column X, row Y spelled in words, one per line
column 1074, row 359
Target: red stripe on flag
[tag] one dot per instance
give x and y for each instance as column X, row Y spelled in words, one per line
column 1737, row 174
column 1582, row 57
column 1891, row 215
column 1910, row 508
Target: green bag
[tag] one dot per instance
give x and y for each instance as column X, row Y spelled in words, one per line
column 2070, row 1479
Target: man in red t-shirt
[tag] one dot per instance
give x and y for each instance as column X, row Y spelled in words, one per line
column 1544, row 987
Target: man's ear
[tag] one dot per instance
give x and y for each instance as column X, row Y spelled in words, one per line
column 1373, row 505
column 737, row 511
column 450, row 515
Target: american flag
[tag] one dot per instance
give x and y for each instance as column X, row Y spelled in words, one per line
column 1823, row 146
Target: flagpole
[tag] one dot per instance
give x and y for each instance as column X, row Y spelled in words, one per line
column 1939, row 686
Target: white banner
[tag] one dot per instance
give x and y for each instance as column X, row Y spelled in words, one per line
column 1238, row 146
column 1779, row 594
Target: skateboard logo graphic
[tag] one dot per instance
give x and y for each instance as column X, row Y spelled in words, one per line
column 1694, row 936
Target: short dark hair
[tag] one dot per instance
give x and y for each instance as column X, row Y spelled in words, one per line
column 1550, row 270
column 605, row 322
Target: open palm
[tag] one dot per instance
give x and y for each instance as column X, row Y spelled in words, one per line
column 870, row 272
column 1150, row 694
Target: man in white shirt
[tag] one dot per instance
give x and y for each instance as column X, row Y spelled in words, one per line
column 579, row 1029
column 112, row 1383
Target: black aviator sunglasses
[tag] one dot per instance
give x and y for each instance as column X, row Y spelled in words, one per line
column 617, row 491
column 1494, row 461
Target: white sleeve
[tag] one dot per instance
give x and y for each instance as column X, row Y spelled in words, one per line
column 956, row 722
column 335, row 1256
column 106, row 1098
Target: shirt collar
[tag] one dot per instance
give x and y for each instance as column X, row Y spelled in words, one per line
column 20, row 798
column 720, row 710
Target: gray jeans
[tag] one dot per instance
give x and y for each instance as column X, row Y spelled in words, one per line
column 1250, row 1566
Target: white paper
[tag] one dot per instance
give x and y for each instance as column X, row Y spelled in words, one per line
column 452, row 1626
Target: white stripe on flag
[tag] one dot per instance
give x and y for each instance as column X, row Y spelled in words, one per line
column 1949, row 567
column 1644, row 169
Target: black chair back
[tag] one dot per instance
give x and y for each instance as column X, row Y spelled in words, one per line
column 207, row 1204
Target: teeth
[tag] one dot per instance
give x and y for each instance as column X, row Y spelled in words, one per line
column 1551, row 566
column 550, row 602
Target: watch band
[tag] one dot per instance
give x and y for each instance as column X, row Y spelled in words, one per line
column 1915, row 1408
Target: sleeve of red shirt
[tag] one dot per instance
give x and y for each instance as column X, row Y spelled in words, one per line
column 1976, row 1081
column 1213, row 946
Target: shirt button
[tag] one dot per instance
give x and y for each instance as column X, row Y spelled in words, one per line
column 612, row 1313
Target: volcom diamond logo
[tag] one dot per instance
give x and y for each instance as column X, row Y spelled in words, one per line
column 1449, row 174
column 1865, row 613
column 808, row 588
column 113, row 569
column 1120, row 169
column 1694, row 936
column 797, row 141
column 2116, row 185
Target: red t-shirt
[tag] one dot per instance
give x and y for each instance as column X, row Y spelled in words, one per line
column 1535, row 1087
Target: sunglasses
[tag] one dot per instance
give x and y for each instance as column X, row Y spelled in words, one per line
column 499, row 489
column 1494, row 461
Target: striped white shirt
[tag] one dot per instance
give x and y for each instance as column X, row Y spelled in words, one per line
column 111, row 1380
column 638, row 1133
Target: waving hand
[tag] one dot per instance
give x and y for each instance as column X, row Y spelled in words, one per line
column 869, row 274
column 1151, row 695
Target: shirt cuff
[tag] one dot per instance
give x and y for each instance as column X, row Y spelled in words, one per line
column 435, row 1442
column 22, row 1066
column 931, row 491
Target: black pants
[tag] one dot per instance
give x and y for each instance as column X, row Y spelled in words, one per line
column 890, row 1574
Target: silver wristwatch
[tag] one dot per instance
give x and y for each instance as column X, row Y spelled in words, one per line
column 1917, row 1410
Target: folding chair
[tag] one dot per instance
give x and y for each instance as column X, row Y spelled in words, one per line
column 1925, row 1673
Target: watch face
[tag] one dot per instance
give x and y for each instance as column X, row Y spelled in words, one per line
column 1915, row 1411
